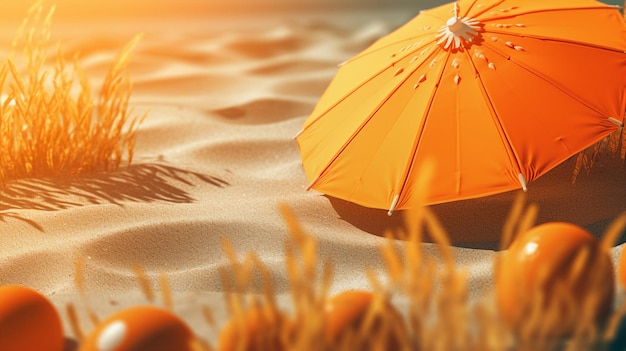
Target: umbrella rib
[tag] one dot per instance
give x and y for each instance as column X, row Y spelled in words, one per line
column 396, row 198
column 546, row 79
column 376, row 74
column 470, row 7
column 514, row 159
column 485, row 10
column 586, row 8
column 556, row 40
column 371, row 115
column 368, row 52
column 418, row 137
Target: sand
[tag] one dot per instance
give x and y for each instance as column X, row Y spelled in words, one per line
column 225, row 94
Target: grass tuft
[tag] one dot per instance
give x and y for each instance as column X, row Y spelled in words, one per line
column 612, row 146
column 438, row 313
column 50, row 122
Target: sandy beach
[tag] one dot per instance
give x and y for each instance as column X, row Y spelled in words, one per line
column 224, row 95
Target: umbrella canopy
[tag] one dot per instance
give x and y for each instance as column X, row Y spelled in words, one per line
column 494, row 92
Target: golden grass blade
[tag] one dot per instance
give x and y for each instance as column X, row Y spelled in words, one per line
column 144, row 282
column 424, row 179
column 374, row 281
column 528, row 220
column 293, row 225
column 613, row 232
column 198, row 344
column 581, row 261
column 267, row 283
column 614, row 323
column 79, row 281
column 441, row 238
column 74, row 322
column 623, row 142
column 79, row 276
column 227, row 248
column 512, row 220
column 228, row 291
column 581, row 162
column 395, row 268
column 242, row 271
column 207, row 314
column 166, row 291
column 309, row 259
column 326, row 282
column 295, row 281
column 373, row 313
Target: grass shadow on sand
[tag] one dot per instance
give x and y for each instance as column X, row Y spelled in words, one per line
column 135, row 183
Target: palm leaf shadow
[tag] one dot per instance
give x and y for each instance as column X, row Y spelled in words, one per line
column 136, row 183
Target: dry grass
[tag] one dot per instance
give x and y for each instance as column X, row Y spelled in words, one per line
column 613, row 146
column 50, row 122
column 438, row 314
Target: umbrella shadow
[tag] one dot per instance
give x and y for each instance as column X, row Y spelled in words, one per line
column 136, row 183
column 460, row 232
column 593, row 202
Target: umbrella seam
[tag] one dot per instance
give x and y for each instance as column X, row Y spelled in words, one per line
column 390, row 96
column 353, row 135
column 480, row 13
column 322, row 114
column 470, row 7
column 513, row 157
column 539, row 37
column 551, row 82
column 420, row 131
column 368, row 52
column 608, row 7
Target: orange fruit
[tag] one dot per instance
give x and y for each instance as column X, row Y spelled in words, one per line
column 345, row 314
column 28, row 321
column 542, row 262
column 257, row 329
column 141, row 328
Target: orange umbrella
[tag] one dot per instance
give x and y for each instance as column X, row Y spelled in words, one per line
column 495, row 92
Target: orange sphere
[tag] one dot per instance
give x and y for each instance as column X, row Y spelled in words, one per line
column 348, row 310
column 257, row 329
column 141, row 328
column 541, row 261
column 28, row 321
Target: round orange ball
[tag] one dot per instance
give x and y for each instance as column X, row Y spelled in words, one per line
column 28, row 321
column 540, row 262
column 141, row 328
